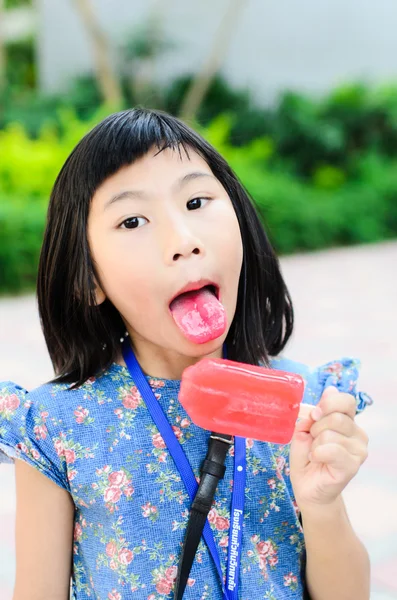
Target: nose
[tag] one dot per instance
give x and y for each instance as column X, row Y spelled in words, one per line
column 180, row 242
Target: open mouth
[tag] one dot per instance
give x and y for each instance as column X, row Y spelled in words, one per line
column 192, row 289
column 213, row 289
column 198, row 312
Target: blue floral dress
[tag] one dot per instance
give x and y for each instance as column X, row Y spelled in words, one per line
column 100, row 444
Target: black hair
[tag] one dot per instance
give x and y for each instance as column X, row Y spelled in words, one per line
column 83, row 339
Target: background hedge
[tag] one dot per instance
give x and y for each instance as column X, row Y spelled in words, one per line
column 322, row 172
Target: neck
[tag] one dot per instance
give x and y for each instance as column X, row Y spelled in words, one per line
column 163, row 363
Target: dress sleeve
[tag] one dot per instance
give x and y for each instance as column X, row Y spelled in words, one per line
column 342, row 374
column 28, row 430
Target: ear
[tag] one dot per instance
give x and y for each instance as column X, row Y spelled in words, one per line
column 100, row 295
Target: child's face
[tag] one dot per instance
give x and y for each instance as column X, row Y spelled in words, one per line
column 148, row 246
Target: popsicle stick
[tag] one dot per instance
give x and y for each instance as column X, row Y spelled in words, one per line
column 305, row 410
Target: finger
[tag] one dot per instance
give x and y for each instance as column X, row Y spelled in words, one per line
column 305, row 411
column 303, row 426
column 362, row 435
column 336, row 456
column 352, row 445
column 336, row 421
column 304, row 421
column 334, row 401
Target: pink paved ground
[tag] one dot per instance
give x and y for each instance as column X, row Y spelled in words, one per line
column 346, row 304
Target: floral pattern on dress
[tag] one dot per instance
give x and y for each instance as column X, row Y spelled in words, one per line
column 100, row 444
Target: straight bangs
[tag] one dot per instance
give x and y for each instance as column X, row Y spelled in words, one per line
column 83, row 339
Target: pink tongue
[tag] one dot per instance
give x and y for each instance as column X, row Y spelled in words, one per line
column 199, row 315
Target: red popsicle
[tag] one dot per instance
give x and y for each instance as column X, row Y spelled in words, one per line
column 244, row 400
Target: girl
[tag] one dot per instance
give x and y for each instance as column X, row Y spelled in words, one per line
column 146, row 219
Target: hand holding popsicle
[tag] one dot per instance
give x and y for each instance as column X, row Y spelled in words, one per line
column 327, row 446
column 327, row 450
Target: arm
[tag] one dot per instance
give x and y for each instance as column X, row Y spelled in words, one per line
column 44, row 537
column 337, row 562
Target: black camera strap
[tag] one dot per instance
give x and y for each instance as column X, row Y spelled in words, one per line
column 212, row 471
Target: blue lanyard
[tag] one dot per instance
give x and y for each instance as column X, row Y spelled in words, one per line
column 230, row 591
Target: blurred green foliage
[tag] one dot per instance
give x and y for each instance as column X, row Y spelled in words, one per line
column 34, row 111
column 17, row 3
column 20, row 59
column 21, row 72
column 297, row 214
column 21, row 231
column 301, row 216
column 315, row 139
column 29, row 166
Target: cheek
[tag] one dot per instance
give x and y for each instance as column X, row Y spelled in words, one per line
column 229, row 243
column 123, row 273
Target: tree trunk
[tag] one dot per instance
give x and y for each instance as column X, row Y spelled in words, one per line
column 107, row 79
column 142, row 76
column 213, row 62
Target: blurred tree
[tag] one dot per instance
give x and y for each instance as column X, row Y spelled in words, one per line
column 145, row 44
column 213, row 62
column 107, row 79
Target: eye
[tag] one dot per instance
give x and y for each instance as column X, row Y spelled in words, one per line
column 196, row 203
column 133, row 222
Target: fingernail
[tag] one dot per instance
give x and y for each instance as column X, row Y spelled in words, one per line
column 316, row 414
column 331, row 389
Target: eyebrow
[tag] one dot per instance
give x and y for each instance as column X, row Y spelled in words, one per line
column 140, row 194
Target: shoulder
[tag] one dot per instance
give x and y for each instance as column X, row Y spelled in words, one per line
column 341, row 373
column 57, row 401
column 53, row 394
column 36, row 425
column 28, row 426
column 16, row 401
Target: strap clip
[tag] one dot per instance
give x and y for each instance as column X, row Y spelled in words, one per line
column 222, row 439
